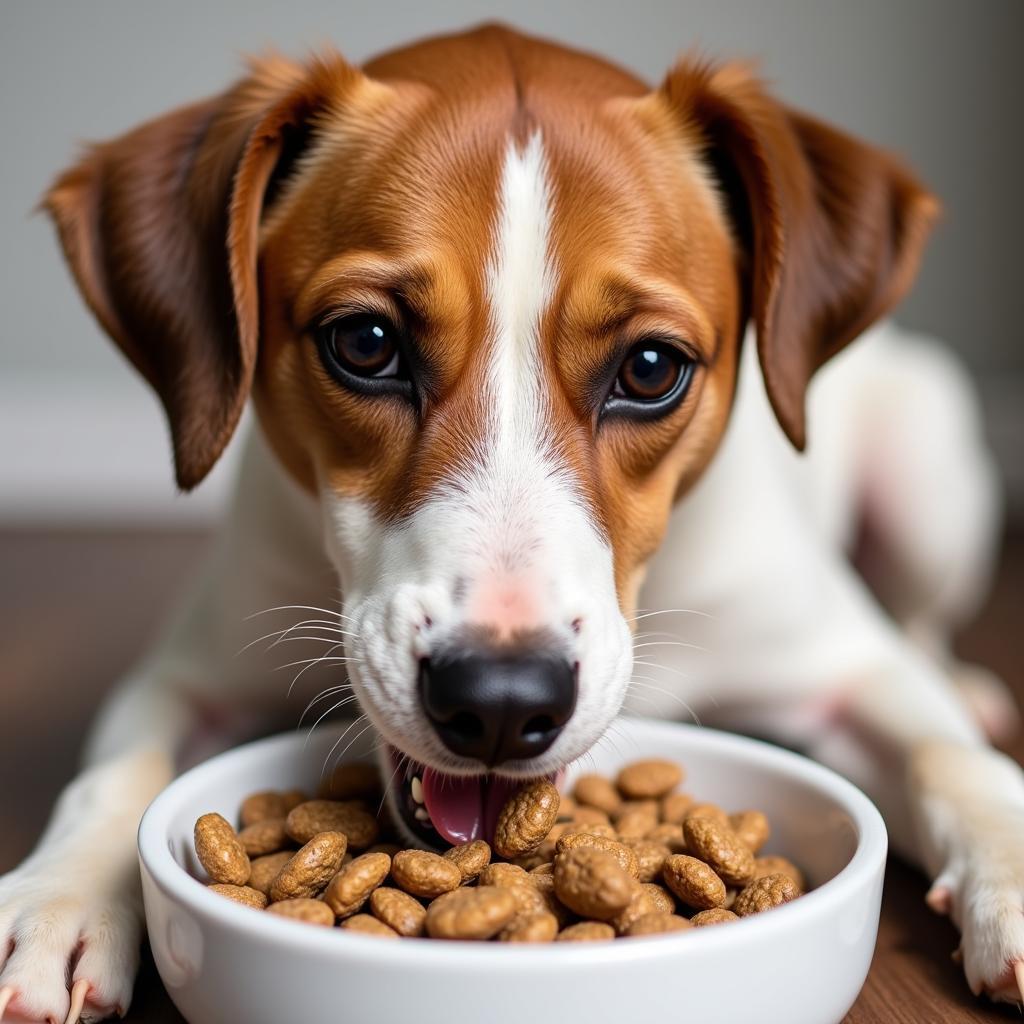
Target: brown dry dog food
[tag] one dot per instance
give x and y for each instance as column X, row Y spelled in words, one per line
column 305, row 910
column 653, row 778
column 470, row 913
column 592, row 883
column 526, row 819
column 720, row 848
column 219, row 851
column 350, row 888
column 310, row 869
column 349, row 816
column 424, row 874
column 764, row 894
column 471, row 858
column 627, row 857
column 241, row 894
column 398, row 910
column 658, row 924
column 368, row 925
column 586, row 931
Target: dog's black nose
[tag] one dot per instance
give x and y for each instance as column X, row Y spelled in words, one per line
column 498, row 708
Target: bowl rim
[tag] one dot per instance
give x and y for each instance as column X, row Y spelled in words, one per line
column 868, row 857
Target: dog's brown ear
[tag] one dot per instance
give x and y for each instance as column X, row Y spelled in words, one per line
column 160, row 228
column 831, row 229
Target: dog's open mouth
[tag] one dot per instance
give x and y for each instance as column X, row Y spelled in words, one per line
column 443, row 810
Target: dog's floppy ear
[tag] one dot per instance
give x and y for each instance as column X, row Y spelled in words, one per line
column 832, row 229
column 160, row 228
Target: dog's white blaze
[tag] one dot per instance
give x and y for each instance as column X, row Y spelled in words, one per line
column 519, row 287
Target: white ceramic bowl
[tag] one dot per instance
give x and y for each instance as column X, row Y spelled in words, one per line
column 803, row 963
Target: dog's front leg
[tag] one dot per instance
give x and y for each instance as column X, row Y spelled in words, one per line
column 950, row 801
column 70, row 915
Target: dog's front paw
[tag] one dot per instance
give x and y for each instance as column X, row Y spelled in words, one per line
column 69, row 943
column 982, row 889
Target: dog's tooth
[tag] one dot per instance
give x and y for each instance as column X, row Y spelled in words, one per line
column 421, row 814
column 417, row 789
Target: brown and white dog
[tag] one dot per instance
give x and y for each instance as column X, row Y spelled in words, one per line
column 489, row 297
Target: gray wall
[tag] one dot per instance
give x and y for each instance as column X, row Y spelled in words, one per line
column 938, row 80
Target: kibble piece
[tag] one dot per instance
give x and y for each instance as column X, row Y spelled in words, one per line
column 398, row 910
column 566, row 807
column 660, row 896
column 540, row 927
column 500, row 873
column 765, row 894
column 471, row 858
column 635, row 824
column 644, row 806
column 266, row 869
column 668, row 835
column 643, row 902
column 263, row 837
column 657, row 924
column 622, row 853
column 316, row 816
column 366, row 924
column 720, row 848
column 650, row 857
column 470, row 913
column 780, row 866
column 306, row 910
column 586, row 815
column 311, row 868
column 269, row 803
column 528, row 899
column 424, row 874
column 243, row 894
column 694, row 882
column 545, row 885
column 586, row 931
column 653, row 777
column 526, row 819
column 543, row 869
column 752, row 828
column 350, row 888
column 712, row 811
column 597, row 791
column 351, row 781
column 219, row 851
column 716, row 915
column 673, row 808
column 592, row 883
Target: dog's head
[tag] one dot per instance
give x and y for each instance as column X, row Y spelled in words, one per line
column 487, row 294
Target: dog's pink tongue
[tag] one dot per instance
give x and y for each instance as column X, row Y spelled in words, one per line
column 455, row 805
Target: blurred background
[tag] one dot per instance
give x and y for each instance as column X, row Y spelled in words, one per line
column 94, row 542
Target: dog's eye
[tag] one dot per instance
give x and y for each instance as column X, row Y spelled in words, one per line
column 363, row 345
column 365, row 352
column 654, row 373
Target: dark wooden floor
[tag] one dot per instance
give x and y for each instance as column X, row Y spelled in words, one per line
column 75, row 608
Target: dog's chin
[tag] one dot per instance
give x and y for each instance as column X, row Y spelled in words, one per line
column 435, row 810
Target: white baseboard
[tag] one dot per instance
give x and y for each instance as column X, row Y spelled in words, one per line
column 96, row 453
